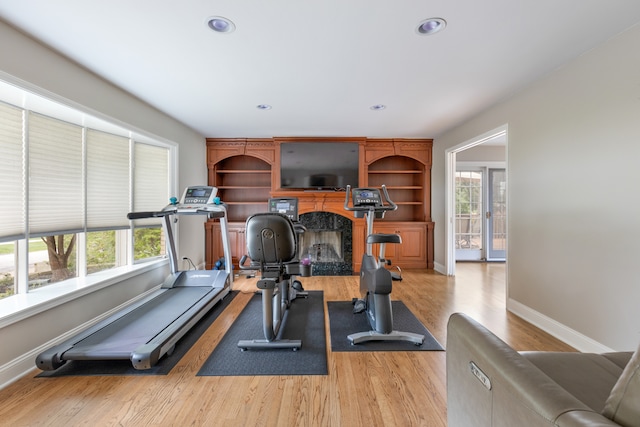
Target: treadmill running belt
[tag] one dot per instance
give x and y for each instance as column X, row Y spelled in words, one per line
column 120, row 338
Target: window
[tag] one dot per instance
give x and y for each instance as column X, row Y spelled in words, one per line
column 70, row 188
column 12, row 172
column 469, row 209
column 150, row 185
column 7, row 269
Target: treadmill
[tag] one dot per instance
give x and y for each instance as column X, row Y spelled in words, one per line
column 147, row 330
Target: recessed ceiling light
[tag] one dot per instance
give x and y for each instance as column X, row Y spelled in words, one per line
column 378, row 107
column 431, row 26
column 263, row 107
column 220, row 24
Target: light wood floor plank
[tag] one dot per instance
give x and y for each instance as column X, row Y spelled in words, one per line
column 361, row 389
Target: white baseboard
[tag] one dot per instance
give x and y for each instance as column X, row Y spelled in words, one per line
column 17, row 368
column 440, row 268
column 573, row 338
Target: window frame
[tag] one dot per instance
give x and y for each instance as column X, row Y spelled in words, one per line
column 25, row 303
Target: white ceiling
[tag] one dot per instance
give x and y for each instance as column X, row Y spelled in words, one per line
column 321, row 65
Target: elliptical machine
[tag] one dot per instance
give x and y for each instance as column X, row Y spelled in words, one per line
column 375, row 279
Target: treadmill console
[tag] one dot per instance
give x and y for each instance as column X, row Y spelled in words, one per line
column 204, row 195
column 196, row 199
column 288, row 207
column 366, row 197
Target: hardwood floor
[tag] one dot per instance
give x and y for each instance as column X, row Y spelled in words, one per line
column 361, row 389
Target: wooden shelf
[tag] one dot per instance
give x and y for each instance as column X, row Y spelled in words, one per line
column 248, row 171
column 239, row 187
column 395, row 171
column 256, row 202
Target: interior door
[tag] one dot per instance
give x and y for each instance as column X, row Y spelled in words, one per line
column 469, row 215
column 497, row 215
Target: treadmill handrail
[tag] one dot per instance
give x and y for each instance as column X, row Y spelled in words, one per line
column 142, row 215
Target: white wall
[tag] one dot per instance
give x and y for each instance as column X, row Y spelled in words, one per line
column 574, row 210
column 25, row 60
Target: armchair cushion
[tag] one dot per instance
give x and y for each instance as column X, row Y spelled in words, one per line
column 623, row 404
column 588, row 377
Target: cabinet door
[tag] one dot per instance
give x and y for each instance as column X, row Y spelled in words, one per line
column 413, row 248
column 411, row 253
column 237, row 243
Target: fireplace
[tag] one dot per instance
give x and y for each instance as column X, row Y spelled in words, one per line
column 327, row 243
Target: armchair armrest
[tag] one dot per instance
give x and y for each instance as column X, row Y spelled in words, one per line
column 500, row 388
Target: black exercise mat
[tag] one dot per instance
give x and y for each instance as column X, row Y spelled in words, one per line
column 304, row 320
column 342, row 322
column 124, row 367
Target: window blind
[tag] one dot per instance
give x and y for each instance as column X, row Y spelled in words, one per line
column 56, row 202
column 150, row 180
column 12, row 226
column 108, row 181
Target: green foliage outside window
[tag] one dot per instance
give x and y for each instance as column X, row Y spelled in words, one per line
column 101, row 251
column 147, row 243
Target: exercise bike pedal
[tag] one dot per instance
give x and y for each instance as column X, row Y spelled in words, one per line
column 398, row 275
column 359, row 305
column 297, row 285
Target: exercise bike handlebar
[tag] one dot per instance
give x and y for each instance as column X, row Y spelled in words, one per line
column 386, row 202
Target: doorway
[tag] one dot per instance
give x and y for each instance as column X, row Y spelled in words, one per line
column 482, row 226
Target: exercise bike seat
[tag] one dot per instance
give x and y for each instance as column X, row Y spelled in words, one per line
column 384, row 238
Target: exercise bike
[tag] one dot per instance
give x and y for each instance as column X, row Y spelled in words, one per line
column 375, row 279
column 272, row 246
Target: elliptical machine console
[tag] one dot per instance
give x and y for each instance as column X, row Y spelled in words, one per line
column 375, row 280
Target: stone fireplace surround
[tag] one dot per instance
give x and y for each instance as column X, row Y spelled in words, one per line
column 328, row 243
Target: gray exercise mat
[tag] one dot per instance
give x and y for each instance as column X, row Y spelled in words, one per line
column 304, row 320
column 343, row 322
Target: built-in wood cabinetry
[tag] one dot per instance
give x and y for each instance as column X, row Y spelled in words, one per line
column 404, row 167
column 246, row 173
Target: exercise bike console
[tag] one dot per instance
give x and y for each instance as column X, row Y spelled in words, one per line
column 368, row 200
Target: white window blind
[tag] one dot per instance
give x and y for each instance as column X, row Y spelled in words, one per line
column 108, row 193
column 151, row 180
column 56, row 202
column 12, row 226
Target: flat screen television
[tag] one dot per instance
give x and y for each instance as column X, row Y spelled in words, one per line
column 318, row 165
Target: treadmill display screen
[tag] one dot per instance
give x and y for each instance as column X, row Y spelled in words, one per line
column 199, row 192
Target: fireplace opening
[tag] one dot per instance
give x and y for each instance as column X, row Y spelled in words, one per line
column 327, row 243
column 322, row 246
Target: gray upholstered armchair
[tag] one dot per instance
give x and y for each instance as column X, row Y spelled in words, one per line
column 490, row 384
